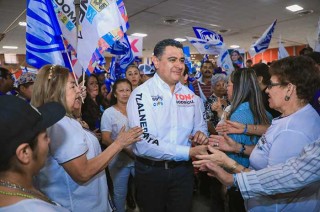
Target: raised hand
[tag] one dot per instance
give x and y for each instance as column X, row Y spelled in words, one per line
column 125, row 138
column 223, row 143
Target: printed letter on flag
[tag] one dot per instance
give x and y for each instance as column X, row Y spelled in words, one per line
column 101, row 24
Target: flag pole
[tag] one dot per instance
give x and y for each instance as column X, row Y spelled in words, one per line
column 73, row 73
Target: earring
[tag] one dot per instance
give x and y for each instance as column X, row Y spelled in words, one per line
column 286, row 98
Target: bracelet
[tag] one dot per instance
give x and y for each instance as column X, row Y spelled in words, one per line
column 243, row 148
column 245, row 129
column 235, row 183
column 233, row 167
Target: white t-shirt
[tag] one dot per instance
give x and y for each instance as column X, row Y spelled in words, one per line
column 68, row 141
column 112, row 121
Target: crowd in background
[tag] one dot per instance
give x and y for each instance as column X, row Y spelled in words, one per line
column 259, row 116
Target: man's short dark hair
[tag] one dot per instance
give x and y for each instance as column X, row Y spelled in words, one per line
column 161, row 45
column 315, row 56
column 262, row 70
column 305, row 50
column 4, row 72
column 249, row 61
column 207, row 61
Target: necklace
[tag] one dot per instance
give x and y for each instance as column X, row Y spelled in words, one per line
column 30, row 194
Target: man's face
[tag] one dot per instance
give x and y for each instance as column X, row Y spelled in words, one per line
column 8, row 81
column 170, row 66
column 207, row 70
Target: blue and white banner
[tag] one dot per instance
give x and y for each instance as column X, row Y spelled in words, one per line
column 126, row 59
column 211, row 47
column 102, row 23
column 206, row 34
column 44, row 43
column 187, row 56
column 263, row 42
column 66, row 15
column 224, row 61
column 282, row 52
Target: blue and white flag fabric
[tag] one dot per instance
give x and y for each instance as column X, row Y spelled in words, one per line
column 211, row 47
column 282, row 52
column 44, row 43
column 206, row 34
column 224, row 61
column 101, row 24
column 263, row 42
column 126, row 59
column 187, row 56
column 66, row 15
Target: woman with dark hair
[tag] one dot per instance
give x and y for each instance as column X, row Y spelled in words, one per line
column 247, row 108
column 91, row 113
column 113, row 119
column 237, row 58
column 292, row 84
column 133, row 75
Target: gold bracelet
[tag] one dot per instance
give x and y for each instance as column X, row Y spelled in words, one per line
column 233, row 167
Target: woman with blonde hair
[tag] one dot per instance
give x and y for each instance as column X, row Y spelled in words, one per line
column 74, row 174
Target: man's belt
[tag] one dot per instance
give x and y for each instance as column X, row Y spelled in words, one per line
column 167, row 164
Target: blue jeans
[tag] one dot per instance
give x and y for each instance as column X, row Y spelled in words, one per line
column 164, row 190
column 120, row 177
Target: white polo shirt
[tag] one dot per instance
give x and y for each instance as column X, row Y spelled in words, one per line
column 167, row 119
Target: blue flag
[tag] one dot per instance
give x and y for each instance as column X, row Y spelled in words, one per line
column 187, row 56
column 263, row 42
column 124, row 56
column 44, row 43
column 206, row 34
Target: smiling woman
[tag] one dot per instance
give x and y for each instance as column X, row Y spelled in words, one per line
column 75, row 167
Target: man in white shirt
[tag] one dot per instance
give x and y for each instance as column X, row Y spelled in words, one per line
column 172, row 118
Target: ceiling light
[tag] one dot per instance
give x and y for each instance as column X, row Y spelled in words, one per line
column 180, row 39
column 234, row 46
column 294, row 8
column 139, row 34
column 23, row 23
column 10, row 47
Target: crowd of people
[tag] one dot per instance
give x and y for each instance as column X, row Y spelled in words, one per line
column 248, row 141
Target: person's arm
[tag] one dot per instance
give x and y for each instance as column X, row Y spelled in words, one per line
column 231, row 127
column 295, row 174
column 82, row 170
column 227, row 144
column 219, row 158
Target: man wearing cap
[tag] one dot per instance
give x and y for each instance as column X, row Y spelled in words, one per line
column 25, row 85
column 146, row 72
column 6, row 81
column 172, row 118
column 24, row 148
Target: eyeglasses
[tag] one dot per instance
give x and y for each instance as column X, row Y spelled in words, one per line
column 275, row 84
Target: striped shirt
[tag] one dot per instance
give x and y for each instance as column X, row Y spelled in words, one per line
column 295, row 174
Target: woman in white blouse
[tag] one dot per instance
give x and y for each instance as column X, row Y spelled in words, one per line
column 113, row 119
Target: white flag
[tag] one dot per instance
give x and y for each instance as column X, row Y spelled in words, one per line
column 101, row 23
column 211, row 47
column 263, row 42
column 282, row 52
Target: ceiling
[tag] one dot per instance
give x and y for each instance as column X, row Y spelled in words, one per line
column 244, row 20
